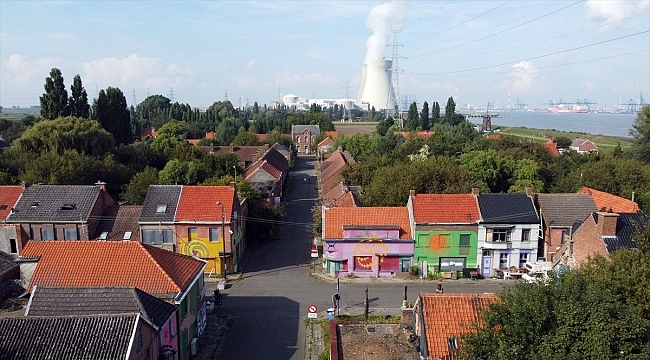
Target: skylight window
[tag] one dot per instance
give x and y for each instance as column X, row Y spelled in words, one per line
column 34, row 203
column 103, row 235
column 68, row 206
column 453, row 345
column 161, row 208
column 127, row 235
column 3, row 207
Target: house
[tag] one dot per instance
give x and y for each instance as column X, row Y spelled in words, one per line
column 12, row 237
column 325, row 146
column 118, row 223
column 9, row 270
column 149, row 133
column 561, row 215
column 440, row 321
column 332, row 167
column 156, row 321
column 60, row 212
column 367, row 241
column 583, row 146
column 283, row 150
column 268, row 174
column 194, row 220
column 97, row 337
column 552, row 147
column 247, row 154
column 508, row 232
column 209, row 224
column 303, row 136
column 175, row 278
column 608, row 202
column 601, row 233
column 420, row 134
column 445, row 228
column 340, row 196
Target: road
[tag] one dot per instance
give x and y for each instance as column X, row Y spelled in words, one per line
column 269, row 305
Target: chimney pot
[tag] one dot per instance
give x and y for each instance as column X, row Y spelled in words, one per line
column 529, row 191
column 233, row 185
column 476, row 191
column 100, row 184
column 411, row 193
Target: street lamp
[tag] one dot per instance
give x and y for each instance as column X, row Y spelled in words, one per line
column 235, row 168
column 223, row 237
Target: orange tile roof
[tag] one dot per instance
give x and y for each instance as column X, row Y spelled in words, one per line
column 445, row 209
column 450, row 315
column 326, row 141
column 552, row 147
column 336, row 218
column 111, row 263
column 9, row 195
column 606, row 201
column 199, row 203
column 332, row 134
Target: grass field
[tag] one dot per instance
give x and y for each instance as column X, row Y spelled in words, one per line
column 17, row 114
column 605, row 143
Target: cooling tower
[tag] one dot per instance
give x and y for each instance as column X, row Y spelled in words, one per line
column 376, row 90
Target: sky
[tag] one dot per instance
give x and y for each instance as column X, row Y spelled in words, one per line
column 500, row 53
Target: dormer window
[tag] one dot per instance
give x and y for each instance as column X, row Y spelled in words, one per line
column 68, row 207
column 161, row 208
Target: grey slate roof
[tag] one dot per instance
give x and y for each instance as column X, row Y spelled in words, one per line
column 160, row 195
column 115, row 220
column 625, row 229
column 565, row 209
column 299, row 129
column 515, row 208
column 7, row 262
column 45, row 203
column 72, row 338
column 79, row 301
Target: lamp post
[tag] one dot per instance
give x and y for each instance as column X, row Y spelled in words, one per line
column 235, row 168
column 223, row 236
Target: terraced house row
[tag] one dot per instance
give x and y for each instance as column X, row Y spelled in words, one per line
column 460, row 234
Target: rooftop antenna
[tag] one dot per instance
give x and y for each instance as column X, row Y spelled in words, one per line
column 394, row 95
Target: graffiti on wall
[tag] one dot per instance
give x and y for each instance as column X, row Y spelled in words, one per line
column 367, row 247
column 437, row 243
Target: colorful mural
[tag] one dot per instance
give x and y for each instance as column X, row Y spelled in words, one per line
column 367, row 257
column 441, row 247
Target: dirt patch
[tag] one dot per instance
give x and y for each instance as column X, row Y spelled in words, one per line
column 211, row 341
column 375, row 341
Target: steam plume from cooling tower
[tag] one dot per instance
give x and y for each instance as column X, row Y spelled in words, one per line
column 382, row 19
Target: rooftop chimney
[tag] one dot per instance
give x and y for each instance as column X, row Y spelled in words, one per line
column 412, row 193
column 607, row 223
column 476, row 191
column 529, row 192
column 100, row 184
column 233, row 185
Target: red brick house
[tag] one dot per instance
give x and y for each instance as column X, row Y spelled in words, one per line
column 303, row 136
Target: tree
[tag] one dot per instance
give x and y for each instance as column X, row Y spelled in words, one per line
column 435, row 113
column 563, row 142
column 491, row 171
column 641, row 133
column 412, row 119
column 78, row 102
column 54, row 102
column 424, row 117
column 153, row 111
column 245, row 138
column 68, row 133
column 111, row 110
column 136, row 191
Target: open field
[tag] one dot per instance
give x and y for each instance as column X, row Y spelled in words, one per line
column 17, row 114
column 606, row 143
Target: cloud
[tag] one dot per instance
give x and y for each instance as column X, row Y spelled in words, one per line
column 20, row 70
column 556, row 58
column 251, row 64
column 321, row 79
column 135, row 71
column 288, row 79
column 524, row 78
column 614, row 10
column 588, row 85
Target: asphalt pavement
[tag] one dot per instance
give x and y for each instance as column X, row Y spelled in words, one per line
column 269, row 303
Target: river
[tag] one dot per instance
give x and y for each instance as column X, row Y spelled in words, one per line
column 617, row 125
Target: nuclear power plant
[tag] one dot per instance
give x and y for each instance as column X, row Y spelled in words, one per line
column 376, row 88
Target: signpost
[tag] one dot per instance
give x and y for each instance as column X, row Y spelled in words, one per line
column 312, row 312
column 314, row 252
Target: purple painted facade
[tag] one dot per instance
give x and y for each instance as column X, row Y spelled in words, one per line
column 168, row 336
column 368, row 253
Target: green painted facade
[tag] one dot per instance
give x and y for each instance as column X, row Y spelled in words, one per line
column 447, row 249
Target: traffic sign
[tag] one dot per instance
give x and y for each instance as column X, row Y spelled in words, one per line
column 314, row 252
column 312, row 312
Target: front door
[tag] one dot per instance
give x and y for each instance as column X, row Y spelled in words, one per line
column 487, row 266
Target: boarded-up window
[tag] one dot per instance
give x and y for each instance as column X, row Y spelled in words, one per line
column 363, row 263
column 389, row 263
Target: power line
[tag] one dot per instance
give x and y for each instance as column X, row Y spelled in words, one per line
column 535, row 57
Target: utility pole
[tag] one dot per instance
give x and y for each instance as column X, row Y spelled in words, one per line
column 394, row 95
column 365, row 313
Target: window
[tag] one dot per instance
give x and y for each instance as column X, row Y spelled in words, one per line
column 214, row 235
column 503, row 261
column 47, row 234
column 306, row 149
column 161, row 208
column 13, row 245
column 452, row 264
column 452, row 343
column 306, row 138
column 298, row 139
column 525, row 235
column 3, row 207
column 192, row 234
column 103, row 235
column 498, row 235
column 70, row 234
column 523, row 259
column 138, row 339
column 464, row 244
column 68, row 206
column 127, row 235
column 157, row 237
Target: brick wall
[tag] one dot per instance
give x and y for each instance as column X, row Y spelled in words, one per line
column 587, row 241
